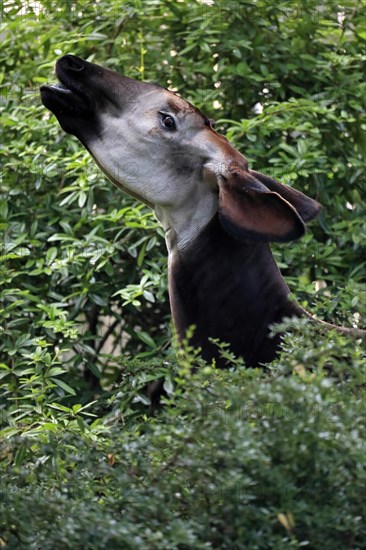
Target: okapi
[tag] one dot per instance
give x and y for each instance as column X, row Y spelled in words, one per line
column 219, row 216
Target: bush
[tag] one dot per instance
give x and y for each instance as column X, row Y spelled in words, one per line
column 236, row 459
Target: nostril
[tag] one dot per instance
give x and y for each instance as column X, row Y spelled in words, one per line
column 72, row 62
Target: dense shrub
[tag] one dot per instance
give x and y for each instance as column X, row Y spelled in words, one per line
column 241, row 459
column 236, row 459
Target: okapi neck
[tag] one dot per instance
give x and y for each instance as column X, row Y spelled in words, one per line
column 228, row 290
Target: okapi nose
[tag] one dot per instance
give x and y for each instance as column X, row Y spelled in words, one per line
column 71, row 62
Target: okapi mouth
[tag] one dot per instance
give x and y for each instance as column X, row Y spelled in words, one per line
column 72, row 100
column 68, row 96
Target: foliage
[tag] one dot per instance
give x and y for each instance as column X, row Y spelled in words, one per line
column 241, row 459
column 236, row 459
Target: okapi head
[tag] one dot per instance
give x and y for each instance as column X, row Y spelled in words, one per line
column 162, row 150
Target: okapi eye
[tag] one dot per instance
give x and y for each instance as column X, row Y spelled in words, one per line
column 168, row 121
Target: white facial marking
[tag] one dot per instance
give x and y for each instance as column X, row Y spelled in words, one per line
column 163, row 168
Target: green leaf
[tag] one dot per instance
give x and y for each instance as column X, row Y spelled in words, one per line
column 63, row 386
column 146, row 339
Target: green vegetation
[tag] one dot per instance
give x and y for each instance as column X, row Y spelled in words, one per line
column 244, row 459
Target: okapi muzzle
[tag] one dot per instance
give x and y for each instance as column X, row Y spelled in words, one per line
column 219, row 216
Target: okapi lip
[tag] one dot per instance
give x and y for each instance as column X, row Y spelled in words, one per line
column 68, row 95
column 59, row 88
column 73, row 109
column 61, row 96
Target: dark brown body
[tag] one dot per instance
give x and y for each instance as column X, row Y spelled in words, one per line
column 231, row 291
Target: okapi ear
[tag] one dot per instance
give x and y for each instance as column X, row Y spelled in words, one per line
column 249, row 209
column 305, row 206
